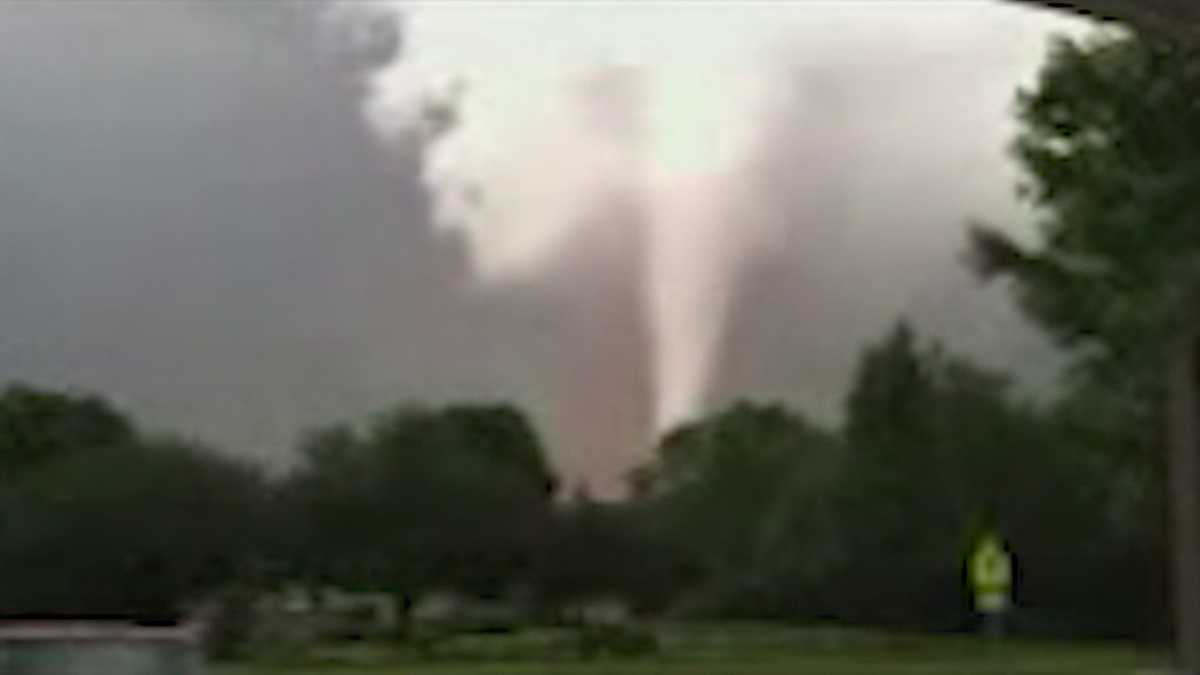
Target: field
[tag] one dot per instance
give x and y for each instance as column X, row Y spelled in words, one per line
column 734, row 650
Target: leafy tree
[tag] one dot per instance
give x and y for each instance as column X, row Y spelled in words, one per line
column 743, row 491
column 39, row 425
column 98, row 519
column 901, row 507
column 936, row 446
column 451, row 497
column 147, row 527
column 1109, row 144
column 887, row 404
column 331, row 511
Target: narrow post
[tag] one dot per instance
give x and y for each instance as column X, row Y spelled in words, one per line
column 1184, row 481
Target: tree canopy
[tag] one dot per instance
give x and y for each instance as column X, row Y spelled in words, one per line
column 422, row 498
column 1110, row 146
column 39, row 425
column 97, row 517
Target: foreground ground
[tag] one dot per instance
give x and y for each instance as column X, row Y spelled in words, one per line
column 735, row 650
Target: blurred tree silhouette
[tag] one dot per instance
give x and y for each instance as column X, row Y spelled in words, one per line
column 1110, row 144
column 752, row 511
column 423, row 498
column 743, row 493
column 935, row 444
column 37, row 426
column 147, row 527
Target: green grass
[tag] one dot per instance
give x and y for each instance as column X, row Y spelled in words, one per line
column 737, row 650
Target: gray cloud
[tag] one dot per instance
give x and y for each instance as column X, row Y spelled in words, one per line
column 195, row 220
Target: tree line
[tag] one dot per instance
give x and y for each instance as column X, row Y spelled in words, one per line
column 754, row 511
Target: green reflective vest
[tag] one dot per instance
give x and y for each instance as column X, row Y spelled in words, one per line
column 990, row 572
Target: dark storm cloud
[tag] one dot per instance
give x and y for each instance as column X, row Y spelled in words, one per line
column 195, row 220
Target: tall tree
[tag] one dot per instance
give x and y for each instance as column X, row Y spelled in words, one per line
column 936, row 446
column 1110, row 144
column 899, row 498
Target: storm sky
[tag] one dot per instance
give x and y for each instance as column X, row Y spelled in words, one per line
column 197, row 220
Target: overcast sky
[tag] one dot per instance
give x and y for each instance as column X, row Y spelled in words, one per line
column 196, row 221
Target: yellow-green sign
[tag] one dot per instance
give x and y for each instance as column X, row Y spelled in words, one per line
column 990, row 572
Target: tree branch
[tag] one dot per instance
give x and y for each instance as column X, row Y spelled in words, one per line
column 1173, row 18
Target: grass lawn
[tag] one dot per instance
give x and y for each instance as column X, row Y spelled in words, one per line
column 751, row 651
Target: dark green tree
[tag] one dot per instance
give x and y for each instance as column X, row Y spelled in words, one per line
column 901, row 510
column 744, row 492
column 147, row 528
column 453, row 497
column 936, row 446
column 39, row 425
column 1109, row 144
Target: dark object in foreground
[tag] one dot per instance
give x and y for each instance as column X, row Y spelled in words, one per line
column 44, row 644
